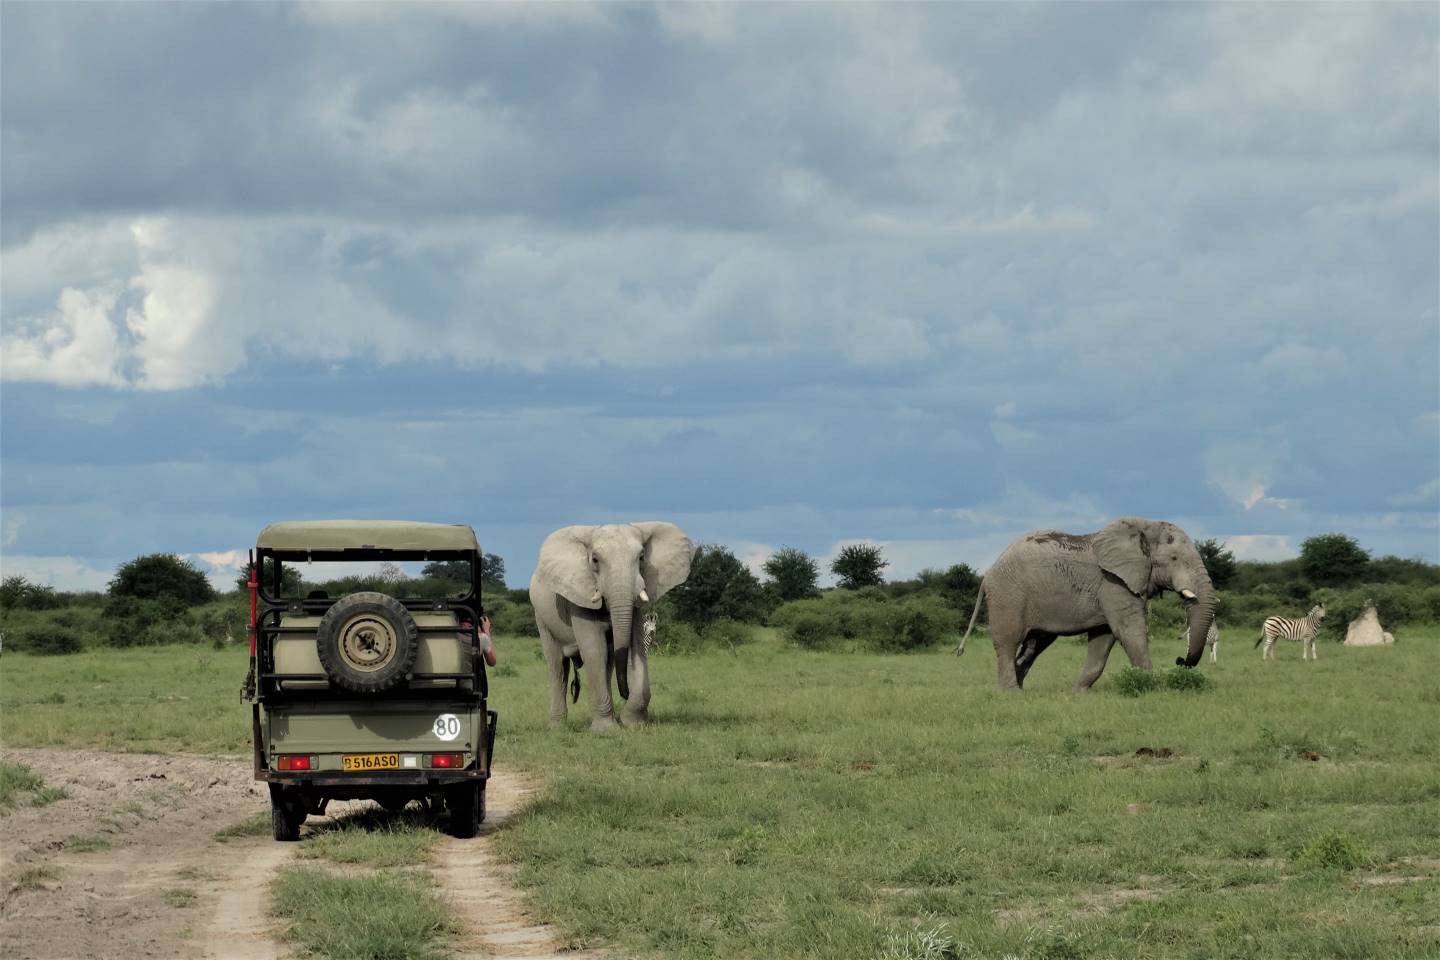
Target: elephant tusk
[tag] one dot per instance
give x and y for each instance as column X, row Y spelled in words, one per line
column 595, row 597
column 1188, row 594
column 644, row 597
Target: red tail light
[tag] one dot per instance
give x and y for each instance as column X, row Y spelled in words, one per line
column 294, row 762
column 452, row 761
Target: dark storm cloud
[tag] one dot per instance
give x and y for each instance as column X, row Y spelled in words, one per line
column 925, row 274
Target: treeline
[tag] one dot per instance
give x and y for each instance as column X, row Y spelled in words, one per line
column 162, row 598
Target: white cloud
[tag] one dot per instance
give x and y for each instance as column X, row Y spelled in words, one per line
column 62, row 573
column 76, row 345
column 13, row 522
column 1262, row 547
column 1302, row 365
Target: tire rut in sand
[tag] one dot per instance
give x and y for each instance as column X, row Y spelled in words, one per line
column 480, row 887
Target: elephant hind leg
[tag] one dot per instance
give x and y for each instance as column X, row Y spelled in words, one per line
column 1098, row 652
column 1007, row 635
column 556, row 663
column 1036, row 643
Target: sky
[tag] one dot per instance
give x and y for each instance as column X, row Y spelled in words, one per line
column 925, row 276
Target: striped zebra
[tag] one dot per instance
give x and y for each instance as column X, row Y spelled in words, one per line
column 1212, row 639
column 647, row 630
column 1302, row 630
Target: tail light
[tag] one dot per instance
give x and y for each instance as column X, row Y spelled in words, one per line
column 291, row 761
column 449, row 761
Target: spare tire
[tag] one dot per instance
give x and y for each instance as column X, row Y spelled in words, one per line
column 367, row 642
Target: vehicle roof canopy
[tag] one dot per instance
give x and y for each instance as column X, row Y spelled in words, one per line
column 329, row 536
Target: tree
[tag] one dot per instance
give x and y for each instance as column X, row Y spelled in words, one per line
column 161, row 576
column 290, row 585
column 792, row 574
column 17, row 593
column 1219, row 562
column 859, row 565
column 1333, row 560
column 492, row 570
column 719, row 587
column 959, row 585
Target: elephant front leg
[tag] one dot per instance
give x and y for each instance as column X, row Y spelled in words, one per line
column 591, row 637
column 1098, row 652
column 637, row 708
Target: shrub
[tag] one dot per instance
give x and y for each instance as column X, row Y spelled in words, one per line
column 1189, row 681
column 677, row 636
column 1333, row 559
column 18, row 593
column 854, row 619
column 792, row 574
column 510, row 618
column 719, row 587
column 1130, row 682
column 1334, row 850
column 727, row 633
column 52, row 640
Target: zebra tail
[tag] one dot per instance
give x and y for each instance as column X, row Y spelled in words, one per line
column 979, row 596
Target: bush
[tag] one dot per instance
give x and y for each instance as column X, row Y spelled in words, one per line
column 1130, row 682
column 856, row 619
column 792, row 574
column 161, row 576
column 1334, row 850
column 51, row 640
column 859, row 565
column 1186, row 681
column 719, row 587
column 510, row 618
column 678, row 637
column 18, row 593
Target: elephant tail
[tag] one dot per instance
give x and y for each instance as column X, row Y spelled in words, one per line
column 565, row 675
column 979, row 596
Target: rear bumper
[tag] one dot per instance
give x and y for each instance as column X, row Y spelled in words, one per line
column 407, row 778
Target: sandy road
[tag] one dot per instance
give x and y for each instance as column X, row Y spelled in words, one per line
column 162, row 885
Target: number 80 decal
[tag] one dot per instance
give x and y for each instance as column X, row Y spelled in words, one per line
column 447, row 726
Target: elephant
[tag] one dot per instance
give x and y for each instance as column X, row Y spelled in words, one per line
column 584, row 591
column 1049, row 583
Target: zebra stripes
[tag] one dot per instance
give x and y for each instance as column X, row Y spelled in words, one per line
column 1212, row 639
column 1303, row 630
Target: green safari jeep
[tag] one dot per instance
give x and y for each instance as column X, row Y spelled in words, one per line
column 368, row 695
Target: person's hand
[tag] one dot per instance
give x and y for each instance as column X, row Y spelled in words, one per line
column 490, row 656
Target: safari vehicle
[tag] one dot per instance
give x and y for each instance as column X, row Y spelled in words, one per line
column 369, row 695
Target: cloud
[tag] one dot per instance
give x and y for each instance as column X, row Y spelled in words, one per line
column 75, row 345
column 62, row 573
column 1261, row 547
column 1425, row 495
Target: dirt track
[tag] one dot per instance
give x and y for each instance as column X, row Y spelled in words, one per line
column 165, row 887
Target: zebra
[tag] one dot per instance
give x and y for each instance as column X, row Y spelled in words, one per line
column 647, row 630
column 1302, row 630
column 1212, row 639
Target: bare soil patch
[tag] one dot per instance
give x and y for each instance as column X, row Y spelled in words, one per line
column 165, row 887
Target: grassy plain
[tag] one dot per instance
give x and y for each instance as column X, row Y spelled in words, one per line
column 793, row 804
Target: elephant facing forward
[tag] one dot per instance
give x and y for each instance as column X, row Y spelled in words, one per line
column 1048, row 584
column 584, row 591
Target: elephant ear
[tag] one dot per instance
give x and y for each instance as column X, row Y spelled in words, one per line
column 565, row 567
column 668, row 553
column 1123, row 548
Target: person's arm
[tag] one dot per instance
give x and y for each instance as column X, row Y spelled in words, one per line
column 487, row 645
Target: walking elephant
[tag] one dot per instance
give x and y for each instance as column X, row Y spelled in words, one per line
column 1048, row 584
column 584, row 591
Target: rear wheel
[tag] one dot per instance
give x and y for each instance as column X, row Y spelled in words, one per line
column 467, row 809
column 286, row 816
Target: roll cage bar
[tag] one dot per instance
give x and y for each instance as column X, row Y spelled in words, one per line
column 268, row 606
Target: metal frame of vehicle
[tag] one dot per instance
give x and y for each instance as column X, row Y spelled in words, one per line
column 276, row 702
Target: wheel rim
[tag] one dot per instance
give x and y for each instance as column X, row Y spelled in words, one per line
column 367, row 643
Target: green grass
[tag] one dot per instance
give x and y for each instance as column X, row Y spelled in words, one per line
column 146, row 699
column 18, row 783
column 88, row 843
column 375, row 838
column 180, row 896
column 380, row 915
column 796, row 804
column 787, row 804
column 34, row 878
column 255, row 825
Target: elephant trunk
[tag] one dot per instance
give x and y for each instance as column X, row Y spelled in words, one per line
column 622, row 612
column 1202, row 615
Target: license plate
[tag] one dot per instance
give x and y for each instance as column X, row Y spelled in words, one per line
column 370, row 761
